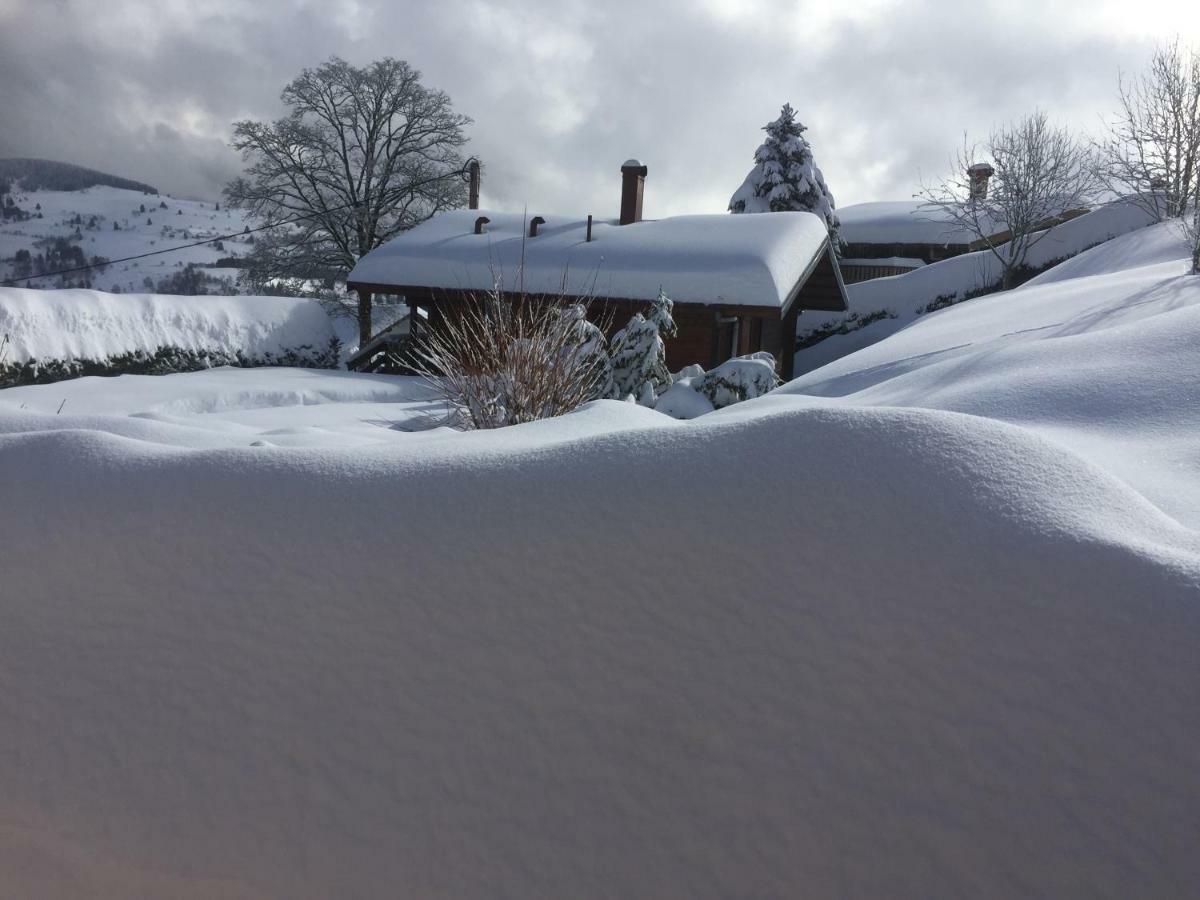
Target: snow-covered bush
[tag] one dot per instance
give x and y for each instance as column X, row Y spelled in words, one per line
column 785, row 177
column 496, row 362
column 738, row 379
column 682, row 401
column 696, row 392
column 639, row 356
column 592, row 351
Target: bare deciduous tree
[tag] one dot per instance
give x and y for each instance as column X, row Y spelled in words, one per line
column 363, row 154
column 1150, row 152
column 1191, row 230
column 1039, row 172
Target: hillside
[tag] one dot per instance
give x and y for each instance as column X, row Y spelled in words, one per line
column 48, row 175
column 932, row 606
column 64, row 229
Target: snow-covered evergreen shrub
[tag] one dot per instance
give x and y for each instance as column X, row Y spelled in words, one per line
column 592, row 348
column 639, row 356
column 738, row 379
column 682, row 401
column 785, row 177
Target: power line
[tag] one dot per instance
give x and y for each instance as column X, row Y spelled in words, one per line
column 14, row 282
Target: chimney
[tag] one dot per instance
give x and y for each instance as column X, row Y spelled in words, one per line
column 473, row 181
column 979, row 175
column 481, row 225
column 633, row 176
column 533, row 225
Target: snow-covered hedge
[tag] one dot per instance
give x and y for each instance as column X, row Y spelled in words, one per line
column 53, row 335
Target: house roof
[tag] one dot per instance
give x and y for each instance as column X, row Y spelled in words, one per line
column 901, row 222
column 731, row 260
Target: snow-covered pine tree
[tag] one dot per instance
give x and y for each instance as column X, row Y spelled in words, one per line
column 785, row 177
column 639, row 356
column 591, row 352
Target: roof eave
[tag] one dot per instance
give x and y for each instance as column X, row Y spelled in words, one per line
column 826, row 251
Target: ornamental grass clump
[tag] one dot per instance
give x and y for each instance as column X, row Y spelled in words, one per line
column 497, row 362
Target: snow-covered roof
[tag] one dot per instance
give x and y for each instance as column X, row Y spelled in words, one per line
column 900, row 222
column 737, row 260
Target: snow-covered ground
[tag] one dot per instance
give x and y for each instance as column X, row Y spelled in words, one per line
column 156, row 228
column 904, row 298
column 921, row 623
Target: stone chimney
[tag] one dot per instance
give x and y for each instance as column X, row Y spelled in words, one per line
column 979, row 175
column 633, row 176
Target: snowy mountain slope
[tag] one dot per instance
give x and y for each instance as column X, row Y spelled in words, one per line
column 896, row 301
column 46, row 174
column 181, row 222
column 922, row 623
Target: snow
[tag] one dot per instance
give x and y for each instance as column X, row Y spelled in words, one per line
column 86, row 324
column 906, row 297
column 921, row 623
column 1101, row 361
column 714, row 259
column 184, row 220
column 900, row 222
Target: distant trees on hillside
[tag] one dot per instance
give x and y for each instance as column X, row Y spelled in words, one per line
column 45, row 174
column 364, row 154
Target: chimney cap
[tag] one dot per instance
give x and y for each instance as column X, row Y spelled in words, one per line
column 981, row 168
column 633, row 167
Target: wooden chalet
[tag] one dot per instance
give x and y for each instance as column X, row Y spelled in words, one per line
column 894, row 237
column 738, row 282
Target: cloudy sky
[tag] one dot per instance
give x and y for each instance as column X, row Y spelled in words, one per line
column 563, row 91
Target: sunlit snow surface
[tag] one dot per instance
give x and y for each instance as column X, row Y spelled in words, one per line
column 922, row 623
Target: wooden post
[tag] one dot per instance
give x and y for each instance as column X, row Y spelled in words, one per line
column 364, row 317
column 787, row 343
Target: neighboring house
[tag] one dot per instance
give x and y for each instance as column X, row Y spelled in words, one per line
column 738, row 282
column 895, row 237
column 908, row 230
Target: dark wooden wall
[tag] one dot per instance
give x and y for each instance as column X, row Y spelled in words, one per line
column 699, row 326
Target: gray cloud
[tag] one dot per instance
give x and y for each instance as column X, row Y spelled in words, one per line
column 563, row 92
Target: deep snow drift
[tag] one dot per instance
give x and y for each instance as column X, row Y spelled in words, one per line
column 923, row 623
